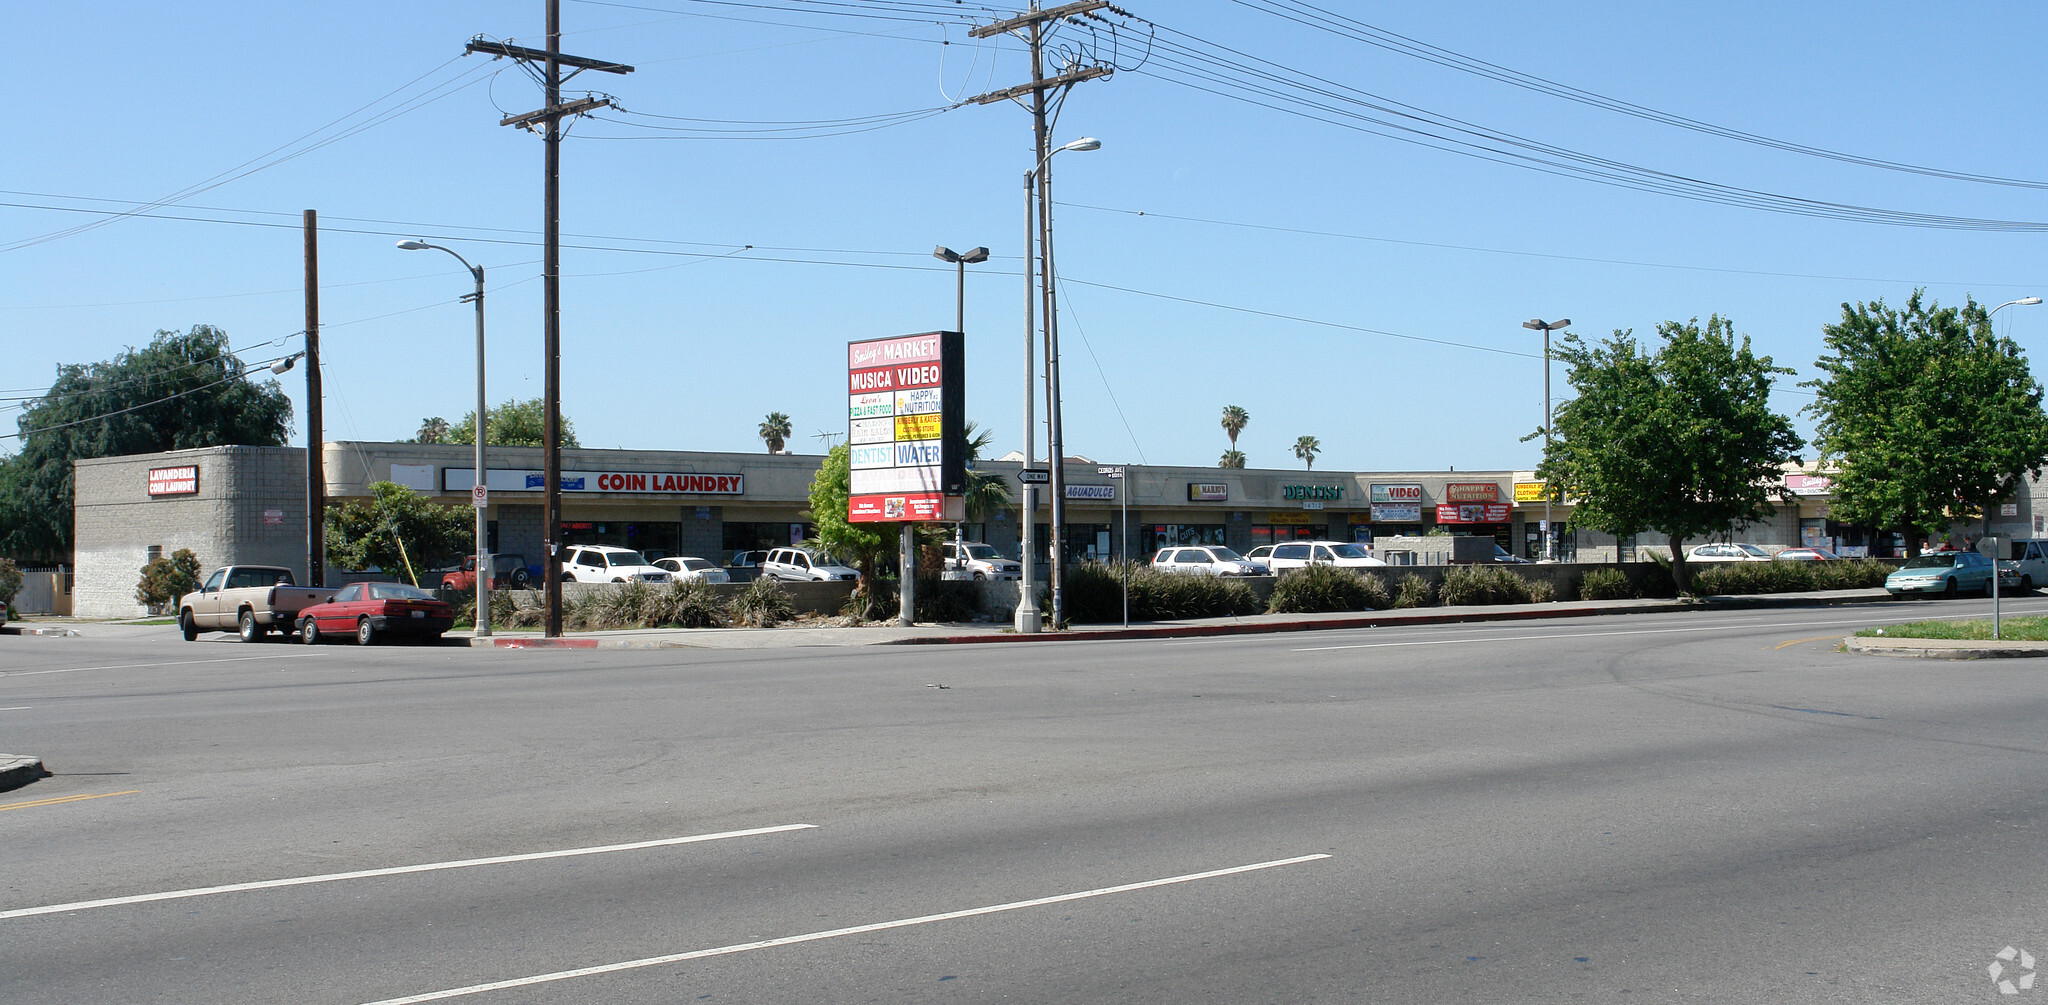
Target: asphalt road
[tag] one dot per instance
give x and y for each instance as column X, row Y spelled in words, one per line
column 1707, row 807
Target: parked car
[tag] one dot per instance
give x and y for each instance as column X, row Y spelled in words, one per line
column 1260, row 554
column 799, row 566
column 1806, row 555
column 1947, row 573
column 745, row 566
column 371, row 611
column 684, row 569
column 1502, row 556
column 1728, row 552
column 982, row 560
column 254, row 600
column 508, row 572
column 1205, row 560
column 1298, row 554
column 604, row 563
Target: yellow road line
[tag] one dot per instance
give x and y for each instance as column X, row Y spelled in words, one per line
column 65, row 799
column 1795, row 642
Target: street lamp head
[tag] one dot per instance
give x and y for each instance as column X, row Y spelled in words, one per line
column 945, row 254
column 979, row 255
column 286, row 363
column 1540, row 325
column 1084, row 143
column 2027, row 301
column 414, row 245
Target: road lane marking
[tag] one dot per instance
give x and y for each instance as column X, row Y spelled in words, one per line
column 17, row 708
column 54, row 800
column 1795, row 642
column 1594, row 635
column 1015, row 905
column 270, row 884
column 132, row 666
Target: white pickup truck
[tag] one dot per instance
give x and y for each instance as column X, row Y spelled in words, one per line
column 251, row 600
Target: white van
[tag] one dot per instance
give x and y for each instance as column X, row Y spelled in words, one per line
column 2026, row 563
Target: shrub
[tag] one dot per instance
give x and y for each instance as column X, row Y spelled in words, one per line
column 875, row 599
column 1318, row 588
column 1094, row 594
column 1541, row 592
column 685, row 604
column 1476, row 585
column 946, row 599
column 1733, row 578
column 1605, row 584
column 1414, row 591
column 763, row 604
column 164, row 580
column 621, row 605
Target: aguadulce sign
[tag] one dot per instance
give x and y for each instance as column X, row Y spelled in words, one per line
column 906, row 427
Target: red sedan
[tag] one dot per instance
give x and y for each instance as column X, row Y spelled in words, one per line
column 374, row 610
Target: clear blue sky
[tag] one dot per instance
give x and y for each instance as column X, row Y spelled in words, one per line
column 1333, row 282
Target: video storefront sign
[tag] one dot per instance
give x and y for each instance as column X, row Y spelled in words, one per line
column 1405, row 492
column 906, row 426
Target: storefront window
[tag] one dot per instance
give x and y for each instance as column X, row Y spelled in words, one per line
column 1166, row 535
column 654, row 540
column 763, row 536
column 1265, row 533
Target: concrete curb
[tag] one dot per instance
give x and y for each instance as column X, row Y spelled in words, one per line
column 17, row 770
column 9, row 630
column 1944, row 649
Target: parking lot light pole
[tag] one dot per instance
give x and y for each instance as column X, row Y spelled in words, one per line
column 480, row 485
column 1546, row 327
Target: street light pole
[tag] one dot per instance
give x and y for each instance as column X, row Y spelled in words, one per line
column 1546, row 327
column 1026, row 617
column 907, row 613
column 1055, row 446
column 480, row 485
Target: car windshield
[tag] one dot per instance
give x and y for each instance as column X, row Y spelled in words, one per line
column 1349, row 551
column 697, row 564
column 397, row 591
column 1752, row 550
column 1930, row 562
column 983, row 552
column 1226, row 555
column 622, row 558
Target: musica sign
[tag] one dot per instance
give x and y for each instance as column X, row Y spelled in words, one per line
column 906, row 419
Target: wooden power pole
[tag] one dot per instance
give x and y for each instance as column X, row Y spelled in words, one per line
column 550, row 119
column 316, row 453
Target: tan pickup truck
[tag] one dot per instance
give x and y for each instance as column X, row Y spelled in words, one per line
column 252, row 600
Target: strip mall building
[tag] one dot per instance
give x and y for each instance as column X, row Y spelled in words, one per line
column 248, row 505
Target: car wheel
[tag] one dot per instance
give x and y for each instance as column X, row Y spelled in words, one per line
column 1948, row 589
column 309, row 632
column 366, row 633
column 245, row 624
column 2026, row 584
column 1990, row 587
column 980, row 576
column 187, row 627
column 521, row 579
column 616, row 579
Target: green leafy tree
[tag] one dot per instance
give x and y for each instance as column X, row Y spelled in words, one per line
column 164, row 580
column 865, row 545
column 1307, row 448
column 181, row 391
column 775, row 431
column 1926, row 415
column 1231, row 459
column 398, row 531
column 512, row 424
column 10, row 581
column 1235, row 418
column 1682, row 442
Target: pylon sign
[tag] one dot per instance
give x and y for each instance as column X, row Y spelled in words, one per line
column 906, row 427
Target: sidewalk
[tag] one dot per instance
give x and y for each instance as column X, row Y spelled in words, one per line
column 1000, row 633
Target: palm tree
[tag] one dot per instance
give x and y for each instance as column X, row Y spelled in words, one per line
column 1231, row 459
column 1306, row 449
column 1235, row 418
column 775, row 430
column 986, row 490
column 433, row 429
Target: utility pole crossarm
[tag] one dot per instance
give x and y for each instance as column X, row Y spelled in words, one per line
column 541, row 56
column 1036, row 17
column 1064, row 79
column 527, row 119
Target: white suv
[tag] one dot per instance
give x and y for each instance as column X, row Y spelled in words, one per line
column 800, row 566
column 603, row 563
column 1296, row 554
column 980, row 559
column 1206, row 560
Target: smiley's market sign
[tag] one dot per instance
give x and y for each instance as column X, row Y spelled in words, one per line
column 906, row 425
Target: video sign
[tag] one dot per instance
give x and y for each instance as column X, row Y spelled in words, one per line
column 906, row 426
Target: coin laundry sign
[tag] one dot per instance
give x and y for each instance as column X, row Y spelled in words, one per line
column 906, row 427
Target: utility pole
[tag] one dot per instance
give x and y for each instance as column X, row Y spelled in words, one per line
column 316, row 456
column 550, row 117
column 1031, row 27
